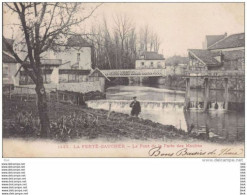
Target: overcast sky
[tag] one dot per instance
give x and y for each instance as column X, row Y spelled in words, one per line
column 181, row 26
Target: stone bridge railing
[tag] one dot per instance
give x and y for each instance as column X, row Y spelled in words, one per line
column 135, row 72
column 215, row 73
column 165, row 72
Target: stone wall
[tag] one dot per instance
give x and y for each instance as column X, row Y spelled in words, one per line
column 172, row 81
column 82, row 87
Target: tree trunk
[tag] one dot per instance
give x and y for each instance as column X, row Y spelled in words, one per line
column 43, row 109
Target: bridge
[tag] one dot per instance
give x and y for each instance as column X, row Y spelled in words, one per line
column 187, row 75
column 165, row 72
column 135, row 73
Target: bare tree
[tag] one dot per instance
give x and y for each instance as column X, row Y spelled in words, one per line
column 156, row 42
column 145, row 37
column 44, row 26
column 117, row 46
column 123, row 26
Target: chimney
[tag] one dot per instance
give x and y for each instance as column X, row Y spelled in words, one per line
column 221, row 57
column 225, row 34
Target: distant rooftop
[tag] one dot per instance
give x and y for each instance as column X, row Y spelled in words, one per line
column 151, row 55
column 208, row 57
column 77, row 41
column 232, row 41
column 211, row 39
column 205, row 56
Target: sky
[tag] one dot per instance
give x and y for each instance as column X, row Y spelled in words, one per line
column 181, row 26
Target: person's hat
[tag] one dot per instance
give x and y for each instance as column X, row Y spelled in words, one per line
column 134, row 97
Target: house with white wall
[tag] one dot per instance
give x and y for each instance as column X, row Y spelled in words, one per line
column 69, row 69
column 76, row 54
column 10, row 66
column 150, row 60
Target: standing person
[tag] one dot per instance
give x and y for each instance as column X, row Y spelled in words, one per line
column 136, row 107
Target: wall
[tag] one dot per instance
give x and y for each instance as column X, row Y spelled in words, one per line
column 177, row 70
column 65, row 78
column 195, row 64
column 82, row 87
column 85, row 62
column 9, row 71
column 147, row 64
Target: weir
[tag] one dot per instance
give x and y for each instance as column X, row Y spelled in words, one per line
column 154, row 105
column 146, row 105
column 157, row 111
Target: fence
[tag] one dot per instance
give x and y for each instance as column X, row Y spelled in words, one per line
column 20, row 93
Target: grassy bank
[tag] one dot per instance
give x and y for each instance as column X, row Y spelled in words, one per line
column 20, row 119
column 70, row 122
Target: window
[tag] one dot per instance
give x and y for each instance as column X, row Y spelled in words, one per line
column 78, row 57
column 152, row 64
column 143, row 63
column 5, row 72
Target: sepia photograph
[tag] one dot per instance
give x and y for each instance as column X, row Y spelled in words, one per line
column 123, row 80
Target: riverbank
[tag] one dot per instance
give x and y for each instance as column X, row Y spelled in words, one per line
column 68, row 122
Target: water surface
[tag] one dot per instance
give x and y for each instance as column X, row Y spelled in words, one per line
column 166, row 107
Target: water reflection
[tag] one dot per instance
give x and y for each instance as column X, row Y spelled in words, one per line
column 219, row 123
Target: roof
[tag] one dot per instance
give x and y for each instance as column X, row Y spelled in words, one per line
column 10, row 41
column 232, row 41
column 233, row 55
column 8, row 58
column 211, row 39
column 97, row 72
column 151, row 55
column 205, row 56
column 74, row 71
column 77, row 41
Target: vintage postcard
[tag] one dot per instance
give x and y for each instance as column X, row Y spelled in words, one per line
column 123, row 80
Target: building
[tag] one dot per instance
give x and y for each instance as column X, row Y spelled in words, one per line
column 211, row 39
column 69, row 70
column 150, row 60
column 222, row 53
column 50, row 70
column 10, row 66
column 76, row 54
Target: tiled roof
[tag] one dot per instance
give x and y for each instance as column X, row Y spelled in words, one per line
column 151, row 55
column 232, row 41
column 206, row 56
column 77, row 41
column 211, row 39
column 74, row 71
column 10, row 41
column 98, row 73
column 7, row 58
column 233, row 55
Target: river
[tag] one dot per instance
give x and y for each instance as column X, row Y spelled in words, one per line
column 166, row 107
